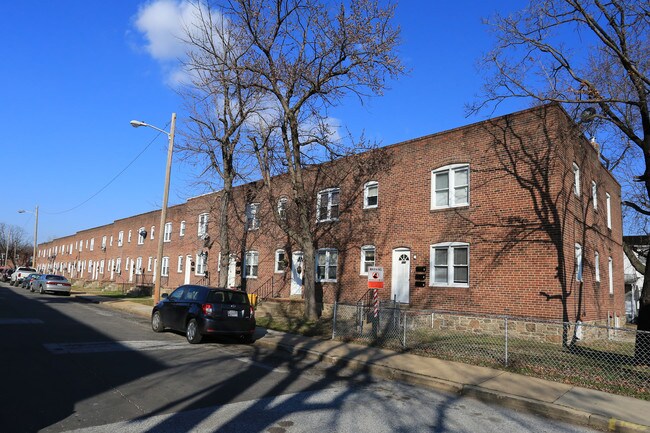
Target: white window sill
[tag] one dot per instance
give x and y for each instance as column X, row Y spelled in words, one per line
column 455, row 206
column 447, row 285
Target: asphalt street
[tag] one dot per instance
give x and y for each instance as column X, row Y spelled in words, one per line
column 68, row 364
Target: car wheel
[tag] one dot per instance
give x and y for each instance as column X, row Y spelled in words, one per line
column 40, row 290
column 192, row 332
column 156, row 322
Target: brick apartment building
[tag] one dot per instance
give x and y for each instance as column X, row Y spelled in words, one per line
column 513, row 215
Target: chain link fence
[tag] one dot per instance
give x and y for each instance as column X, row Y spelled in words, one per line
column 591, row 356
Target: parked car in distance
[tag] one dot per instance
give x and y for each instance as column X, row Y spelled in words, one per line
column 27, row 281
column 201, row 310
column 20, row 273
column 51, row 283
column 5, row 274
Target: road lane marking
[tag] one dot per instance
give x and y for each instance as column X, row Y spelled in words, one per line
column 21, row 322
column 113, row 346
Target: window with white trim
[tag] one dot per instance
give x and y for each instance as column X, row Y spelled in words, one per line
column 251, row 261
column 282, row 208
column 610, row 269
column 200, row 264
column 141, row 233
column 280, row 261
column 127, row 264
column 450, row 186
column 149, row 263
column 179, row 267
column 168, row 232
column 576, row 179
column 449, row 263
column 129, row 238
column 203, row 224
column 92, row 244
column 594, row 194
column 578, row 253
column 326, row 265
column 165, row 267
column 138, row 265
column 371, row 195
column 110, row 242
column 367, row 258
column 101, row 266
column 118, row 265
column 153, row 229
column 182, row 230
column 252, row 219
column 327, row 206
column 608, row 200
column 597, row 266
column 103, row 242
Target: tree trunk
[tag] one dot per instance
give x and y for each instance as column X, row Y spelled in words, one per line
column 224, row 233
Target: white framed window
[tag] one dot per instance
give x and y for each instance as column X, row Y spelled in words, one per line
column 153, row 228
column 450, row 186
column 81, row 247
column 280, row 261
column 182, row 230
column 578, row 251
column 118, row 265
column 282, row 208
column 120, row 238
column 252, row 218
column 200, row 264
column 251, row 261
column 167, row 237
column 608, row 200
column 86, row 243
column 594, row 194
column 141, row 233
column 164, row 272
column 138, row 265
column 103, row 242
column 179, row 268
column 610, row 271
column 327, row 265
column 327, row 206
column 449, row 264
column 597, row 266
column 127, row 264
column 371, row 195
column 149, row 263
column 367, row 258
column 203, row 224
column 101, row 266
column 92, row 244
column 110, row 242
column 576, row 179
column 129, row 238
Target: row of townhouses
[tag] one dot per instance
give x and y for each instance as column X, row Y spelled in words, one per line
column 513, row 215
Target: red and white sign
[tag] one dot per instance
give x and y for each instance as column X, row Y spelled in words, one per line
column 375, row 277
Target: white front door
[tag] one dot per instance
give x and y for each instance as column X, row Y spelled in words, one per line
column 188, row 269
column 401, row 270
column 232, row 271
column 297, row 273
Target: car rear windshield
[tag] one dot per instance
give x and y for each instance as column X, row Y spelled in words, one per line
column 56, row 278
column 227, row 297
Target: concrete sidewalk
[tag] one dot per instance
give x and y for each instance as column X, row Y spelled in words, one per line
column 569, row 403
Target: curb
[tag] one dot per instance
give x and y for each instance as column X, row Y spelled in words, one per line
column 523, row 404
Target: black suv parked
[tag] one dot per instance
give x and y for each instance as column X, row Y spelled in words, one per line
column 201, row 310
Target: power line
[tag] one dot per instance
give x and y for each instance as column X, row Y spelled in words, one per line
column 110, row 181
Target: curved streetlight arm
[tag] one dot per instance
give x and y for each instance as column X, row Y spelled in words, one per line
column 138, row 123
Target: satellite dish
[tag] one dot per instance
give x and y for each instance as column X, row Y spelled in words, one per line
column 587, row 115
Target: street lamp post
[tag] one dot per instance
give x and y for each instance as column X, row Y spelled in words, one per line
column 35, row 232
column 163, row 212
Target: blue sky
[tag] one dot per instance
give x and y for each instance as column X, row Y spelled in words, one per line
column 75, row 72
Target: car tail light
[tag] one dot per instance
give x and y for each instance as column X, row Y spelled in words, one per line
column 207, row 309
column 252, row 312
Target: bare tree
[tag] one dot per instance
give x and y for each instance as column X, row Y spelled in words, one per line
column 219, row 103
column 306, row 56
column 15, row 248
column 592, row 56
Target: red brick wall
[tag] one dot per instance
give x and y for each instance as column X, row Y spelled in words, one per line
column 521, row 225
